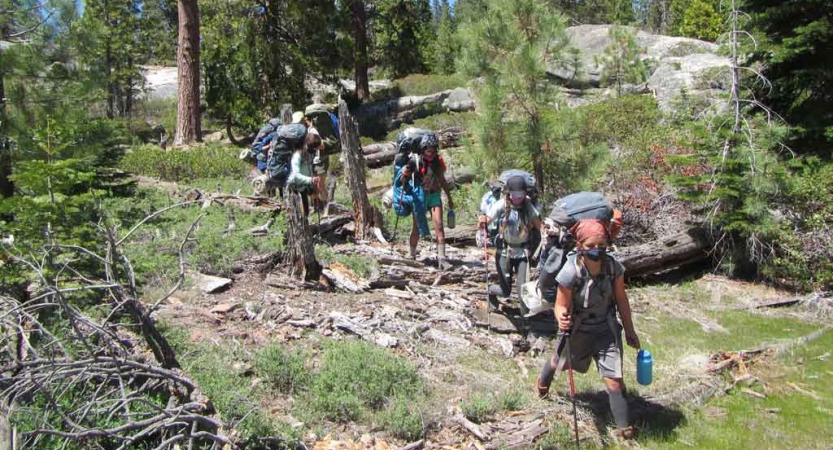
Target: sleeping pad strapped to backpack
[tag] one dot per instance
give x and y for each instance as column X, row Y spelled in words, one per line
column 286, row 139
column 407, row 143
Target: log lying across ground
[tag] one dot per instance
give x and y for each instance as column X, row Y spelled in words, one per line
column 454, row 179
column 383, row 154
column 379, row 117
column 688, row 247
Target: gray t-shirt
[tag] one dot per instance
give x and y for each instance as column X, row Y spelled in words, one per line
column 517, row 224
column 591, row 303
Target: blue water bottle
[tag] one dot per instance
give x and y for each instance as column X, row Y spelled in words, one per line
column 644, row 367
column 451, row 219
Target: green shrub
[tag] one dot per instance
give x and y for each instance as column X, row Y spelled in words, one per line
column 404, row 419
column 283, row 370
column 479, row 406
column 357, row 377
column 230, row 392
column 153, row 248
column 210, row 160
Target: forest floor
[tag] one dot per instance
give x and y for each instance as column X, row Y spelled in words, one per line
column 479, row 369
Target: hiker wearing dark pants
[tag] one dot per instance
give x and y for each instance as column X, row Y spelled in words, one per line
column 591, row 289
column 431, row 171
column 515, row 223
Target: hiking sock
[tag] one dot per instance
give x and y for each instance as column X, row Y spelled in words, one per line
column 619, row 407
column 441, row 262
column 412, row 252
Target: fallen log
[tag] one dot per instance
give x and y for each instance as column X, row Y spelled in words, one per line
column 377, row 118
column 328, row 224
column 449, row 137
column 471, row 427
column 455, row 179
column 667, row 253
column 345, row 279
column 344, row 323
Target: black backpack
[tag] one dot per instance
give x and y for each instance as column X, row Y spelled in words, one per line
column 407, row 141
column 286, row 139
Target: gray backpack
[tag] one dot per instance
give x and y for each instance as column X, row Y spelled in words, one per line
column 566, row 212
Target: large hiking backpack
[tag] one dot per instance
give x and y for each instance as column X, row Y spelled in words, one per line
column 531, row 191
column 407, row 141
column 255, row 154
column 286, row 139
column 566, row 212
column 325, row 123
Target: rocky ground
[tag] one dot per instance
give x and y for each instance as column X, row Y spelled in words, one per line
column 439, row 321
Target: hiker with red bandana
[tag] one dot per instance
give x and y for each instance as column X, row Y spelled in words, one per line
column 591, row 289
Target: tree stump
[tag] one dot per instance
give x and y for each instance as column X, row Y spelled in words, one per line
column 364, row 213
column 300, row 259
column 286, row 113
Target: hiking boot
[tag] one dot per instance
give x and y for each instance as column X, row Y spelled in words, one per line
column 543, row 391
column 624, row 434
column 494, row 303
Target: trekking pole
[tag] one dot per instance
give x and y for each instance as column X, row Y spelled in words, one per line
column 396, row 220
column 567, row 336
column 484, row 230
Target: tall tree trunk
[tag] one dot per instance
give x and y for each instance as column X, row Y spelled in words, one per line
column 111, row 87
column 363, row 212
column 359, row 20
column 6, row 185
column 188, row 128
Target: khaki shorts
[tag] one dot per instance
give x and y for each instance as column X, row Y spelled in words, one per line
column 599, row 346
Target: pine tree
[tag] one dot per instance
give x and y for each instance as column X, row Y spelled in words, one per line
column 188, row 115
column 112, row 49
column 795, row 41
column 403, row 36
column 510, row 45
column 621, row 62
column 701, row 21
column 446, row 45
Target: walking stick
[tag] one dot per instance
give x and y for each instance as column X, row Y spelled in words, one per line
column 396, row 220
column 567, row 336
column 483, row 229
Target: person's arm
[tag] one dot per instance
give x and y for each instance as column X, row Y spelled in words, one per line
column 446, row 188
column 624, row 306
column 296, row 178
column 495, row 211
column 563, row 305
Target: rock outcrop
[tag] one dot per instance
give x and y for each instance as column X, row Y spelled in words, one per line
column 676, row 64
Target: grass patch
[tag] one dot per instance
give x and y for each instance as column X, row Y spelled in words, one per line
column 153, row 248
column 357, row 378
column 211, row 160
column 360, row 265
column 282, row 370
column 230, row 391
column 741, row 421
column 479, row 406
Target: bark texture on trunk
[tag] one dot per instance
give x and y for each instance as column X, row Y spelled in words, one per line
column 188, row 127
column 300, row 249
column 286, row 113
column 363, row 211
column 359, row 22
column 6, row 185
column 667, row 253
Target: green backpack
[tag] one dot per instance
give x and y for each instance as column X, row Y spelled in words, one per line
column 323, row 121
